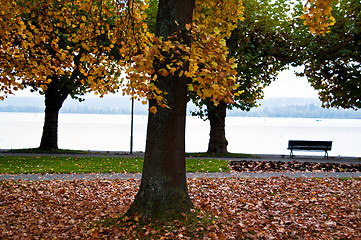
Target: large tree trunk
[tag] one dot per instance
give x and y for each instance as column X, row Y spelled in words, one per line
column 217, row 136
column 163, row 190
column 53, row 102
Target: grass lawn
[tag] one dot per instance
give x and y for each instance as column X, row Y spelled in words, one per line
column 55, row 164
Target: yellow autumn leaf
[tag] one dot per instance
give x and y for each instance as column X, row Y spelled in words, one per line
column 216, row 30
column 153, row 110
column 312, row 30
column 207, row 93
column 181, row 73
column 163, row 72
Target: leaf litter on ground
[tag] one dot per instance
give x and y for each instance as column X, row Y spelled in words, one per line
column 235, row 208
column 292, row 166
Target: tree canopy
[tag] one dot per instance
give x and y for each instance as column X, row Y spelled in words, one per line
column 41, row 40
column 76, row 45
column 332, row 61
column 261, row 45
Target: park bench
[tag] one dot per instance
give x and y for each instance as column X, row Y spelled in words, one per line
column 303, row 145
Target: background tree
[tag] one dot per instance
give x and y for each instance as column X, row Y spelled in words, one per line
column 262, row 46
column 64, row 48
column 333, row 61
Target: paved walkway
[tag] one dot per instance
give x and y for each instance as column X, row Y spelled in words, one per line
column 258, row 157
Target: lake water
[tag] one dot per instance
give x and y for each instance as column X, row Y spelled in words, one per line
column 244, row 134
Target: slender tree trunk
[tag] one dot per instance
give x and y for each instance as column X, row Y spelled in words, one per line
column 163, row 190
column 53, row 102
column 217, row 136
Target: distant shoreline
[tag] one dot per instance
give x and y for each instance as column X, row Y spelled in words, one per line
column 271, row 107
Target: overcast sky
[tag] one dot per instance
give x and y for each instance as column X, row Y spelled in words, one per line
column 289, row 85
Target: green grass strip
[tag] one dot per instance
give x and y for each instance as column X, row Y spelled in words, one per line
column 54, row 164
column 192, row 154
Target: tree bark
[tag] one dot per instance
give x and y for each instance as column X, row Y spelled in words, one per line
column 54, row 99
column 163, row 191
column 217, row 136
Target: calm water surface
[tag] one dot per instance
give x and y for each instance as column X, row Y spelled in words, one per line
column 245, row 135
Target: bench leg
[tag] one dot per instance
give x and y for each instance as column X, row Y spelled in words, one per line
column 291, row 154
column 326, row 154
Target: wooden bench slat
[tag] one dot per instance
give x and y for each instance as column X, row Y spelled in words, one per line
column 309, row 146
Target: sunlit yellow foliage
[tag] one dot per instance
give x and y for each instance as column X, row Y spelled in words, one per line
column 318, row 16
column 218, row 17
column 90, row 43
column 211, row 73
column 83, row 44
